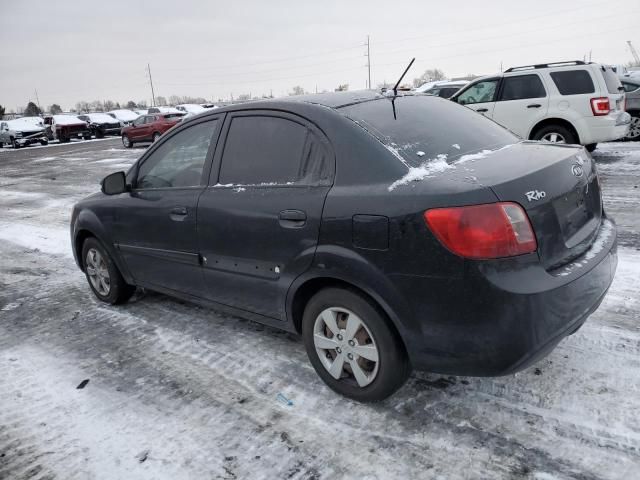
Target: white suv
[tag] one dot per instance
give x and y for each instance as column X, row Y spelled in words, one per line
column 568, row 102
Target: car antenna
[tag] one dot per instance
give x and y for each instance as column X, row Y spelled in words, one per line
column 395, row 88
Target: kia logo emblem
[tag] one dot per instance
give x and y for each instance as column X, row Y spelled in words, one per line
column 576, row 170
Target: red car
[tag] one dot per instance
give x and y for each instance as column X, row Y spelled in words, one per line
column 148, row 128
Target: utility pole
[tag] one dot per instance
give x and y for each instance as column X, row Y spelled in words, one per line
column 38, row 100
column 153, row 95
column 636, row 58
column 368, row 55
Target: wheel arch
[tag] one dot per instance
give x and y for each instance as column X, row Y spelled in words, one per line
column 87, row 225
column 554, row 121
column 305, row 289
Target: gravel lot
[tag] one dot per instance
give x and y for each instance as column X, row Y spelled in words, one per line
column 177, row 391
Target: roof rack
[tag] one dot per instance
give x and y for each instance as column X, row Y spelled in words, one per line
column 545, row 65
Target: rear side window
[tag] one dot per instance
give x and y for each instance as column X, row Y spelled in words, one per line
column 263, row 150
column 173, row 116
column 521, row 87
column 611, row 80
column 423, row 128
column 447, row 92
column 573, row 82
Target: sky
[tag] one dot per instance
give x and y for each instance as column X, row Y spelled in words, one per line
column 70, row 51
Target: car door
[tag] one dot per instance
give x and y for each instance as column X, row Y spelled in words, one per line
column 480, row 96
column 156, row 221
column 137, row 128
column 259, row 218
column 522, row 103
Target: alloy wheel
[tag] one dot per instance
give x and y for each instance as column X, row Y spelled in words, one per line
column 98, row 272
column 125, row 141
column 634, row 129
column 554, row 137
column 345, row 346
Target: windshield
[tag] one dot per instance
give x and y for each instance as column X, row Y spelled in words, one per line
column 425, row 128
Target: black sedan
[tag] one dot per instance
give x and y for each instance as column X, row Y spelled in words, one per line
column 391, row 232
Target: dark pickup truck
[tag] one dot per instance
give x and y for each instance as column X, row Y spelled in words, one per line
column 101, row 124
column 66, row 127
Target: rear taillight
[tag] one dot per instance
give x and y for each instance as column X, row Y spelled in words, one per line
column 491, row 230
column 600, row 106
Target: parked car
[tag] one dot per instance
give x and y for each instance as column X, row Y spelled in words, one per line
column 102, row 124
column 191, row 108
column 65, row 127
column 443, row 89
column 124, row 115
column 390, row 232
column 568, row 102
column 632, row 89
column 141, row 111
column 148, row 128
column 22, row 132
column 164, row 110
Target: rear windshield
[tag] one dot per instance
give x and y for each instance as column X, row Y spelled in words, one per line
column 612, row 80
column 573, row 82
column 425, row 128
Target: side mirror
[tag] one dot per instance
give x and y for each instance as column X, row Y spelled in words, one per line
column 114, row 184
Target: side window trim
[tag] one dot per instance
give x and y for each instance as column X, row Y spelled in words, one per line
column 165, row 138
column 313, row 131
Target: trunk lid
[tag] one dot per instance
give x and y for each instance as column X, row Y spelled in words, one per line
column 558, row 187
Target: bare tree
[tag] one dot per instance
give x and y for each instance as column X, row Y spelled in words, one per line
column 161, row 101
column 297, row 90
column 244, row 97
column 342, row 88
column 110, row 105
column 83, row 106
column 430, row 75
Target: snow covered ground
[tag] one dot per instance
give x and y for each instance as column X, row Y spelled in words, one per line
column 177, row 391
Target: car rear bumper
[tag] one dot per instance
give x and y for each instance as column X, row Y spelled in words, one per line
column 606, row 128
column 511, row 313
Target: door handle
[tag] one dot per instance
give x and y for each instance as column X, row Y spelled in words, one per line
column 292, row 218
column 482, row 110
column 534, row 105
column 178, row 213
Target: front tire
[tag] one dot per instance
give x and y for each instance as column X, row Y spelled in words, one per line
column 555, row 134
column 126, row 141
column 155, row 137
column 352, row 346
column 591, row 147
column 15, row 144
column 44, row 142
column 103, row 275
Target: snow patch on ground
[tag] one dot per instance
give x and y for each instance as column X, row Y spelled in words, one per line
column 51, row 239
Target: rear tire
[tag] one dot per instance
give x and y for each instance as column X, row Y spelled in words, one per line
column 634, row 129
column 591, row 147
column 555, row 134
column 99, row 134
column 155, row 137
column 373, row 337
column 44, row 142
column 126, row 141
column 15, row 144
column 103, row 275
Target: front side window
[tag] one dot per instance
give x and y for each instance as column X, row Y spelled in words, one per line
column 521, row 87
column 138, row 121
column 179, row 161
column 480, row 92
column 630, row 87
column 263, row 150
column 573, row 82
column 150, row 119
